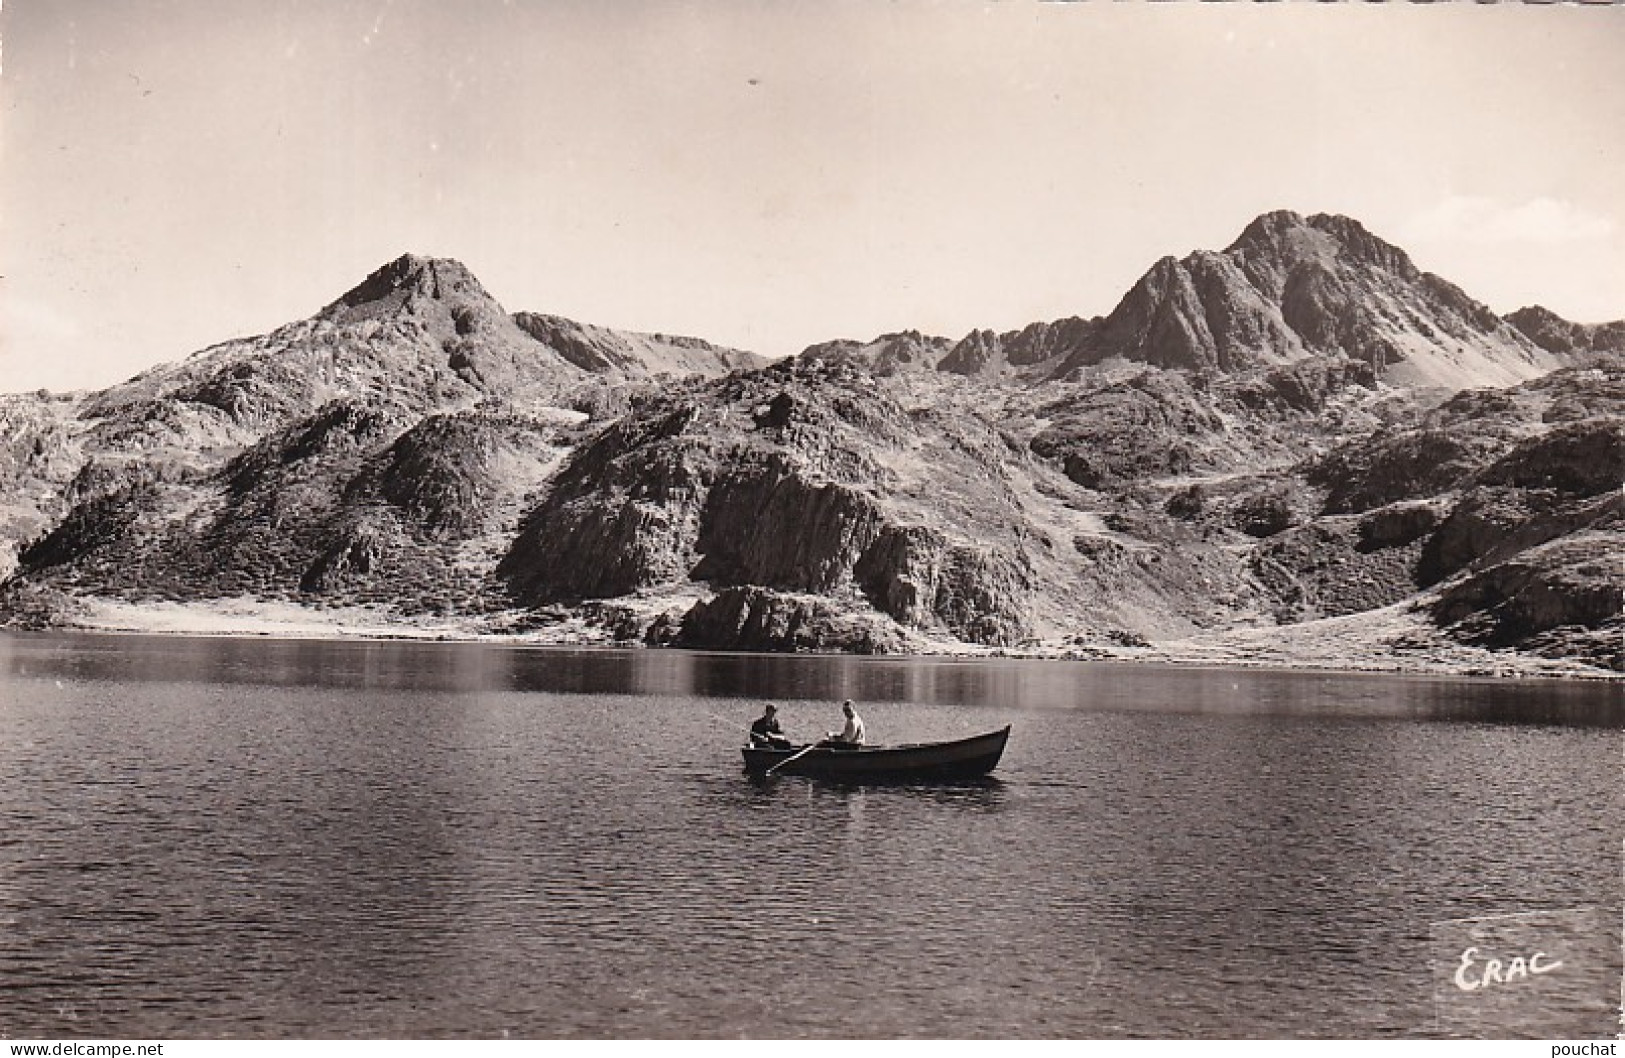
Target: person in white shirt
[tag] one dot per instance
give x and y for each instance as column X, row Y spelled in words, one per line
column 852, row 733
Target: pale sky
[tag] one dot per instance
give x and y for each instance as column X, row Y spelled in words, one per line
column 772, row 173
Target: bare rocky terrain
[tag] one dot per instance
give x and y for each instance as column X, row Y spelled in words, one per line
column 1300, row 450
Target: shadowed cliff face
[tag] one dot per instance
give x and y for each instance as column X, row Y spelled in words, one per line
column 1251, row 438
column 776, row 481
column 1570, row 583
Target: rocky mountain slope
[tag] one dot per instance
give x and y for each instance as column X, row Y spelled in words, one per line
column 1299, row 430
column 418, row 337
column 1289, row 288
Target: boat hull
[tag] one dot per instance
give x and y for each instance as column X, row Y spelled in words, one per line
column 966, row 758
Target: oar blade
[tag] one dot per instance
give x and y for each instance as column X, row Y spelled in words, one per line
column 802, row 752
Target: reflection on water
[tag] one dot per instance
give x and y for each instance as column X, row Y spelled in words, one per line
column 969, row 794
column 1023, row 684
column 253, row 838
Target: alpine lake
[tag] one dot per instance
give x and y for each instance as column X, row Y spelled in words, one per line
column 258, row 838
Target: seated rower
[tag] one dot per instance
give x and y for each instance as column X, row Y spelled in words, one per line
column 852, row 734
column 766, row 730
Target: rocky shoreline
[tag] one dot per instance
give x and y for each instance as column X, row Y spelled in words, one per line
column 1395, row 642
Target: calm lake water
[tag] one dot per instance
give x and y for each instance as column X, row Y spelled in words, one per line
column 255, row 838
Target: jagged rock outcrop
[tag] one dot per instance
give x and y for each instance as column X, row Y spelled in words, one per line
column 1266, row 512
column 1026, row 352
column 1469, row 489
column 447, row 473
column 774, row 526
column 1560, row 432
column 1404, row 464
column 1489, row 524
column 770, row 481
column 887, row 355
column 1328, row 568
column 1304, row 386
column 750, row 618
column 1569, row 583
column 1578, row 459
column 1397, row 524
column 922, row 579
column 622, row 515
column 1422, row 500
column 352, row 555
column 1259, row 506
column 1152, row 425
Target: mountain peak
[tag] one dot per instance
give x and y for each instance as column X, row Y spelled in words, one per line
column 1292, row 286
column 1535, row 316
column 1286, row 238
column 1359, row 243
column 406, row 279
column 1557, row 335
column 1269, row 227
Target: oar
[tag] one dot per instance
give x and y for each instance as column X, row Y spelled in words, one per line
column 736, row 725
column 803, row 751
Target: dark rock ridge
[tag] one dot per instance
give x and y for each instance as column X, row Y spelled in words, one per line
column 627, row 355
column 1250, row 437
column 1556, row 335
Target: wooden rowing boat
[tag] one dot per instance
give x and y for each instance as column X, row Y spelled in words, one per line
column 964, row 758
